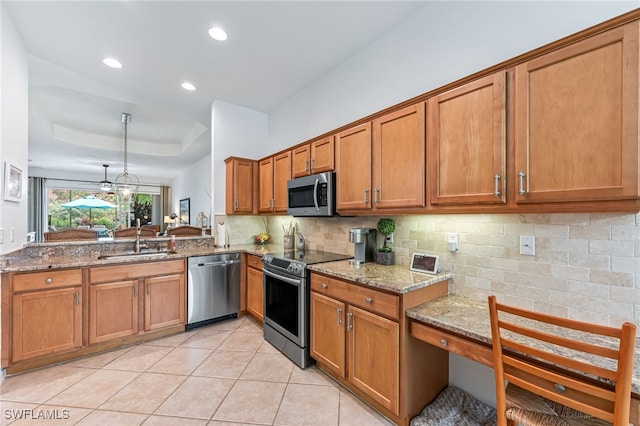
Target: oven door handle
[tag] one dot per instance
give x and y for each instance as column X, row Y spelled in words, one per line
column 288, row 280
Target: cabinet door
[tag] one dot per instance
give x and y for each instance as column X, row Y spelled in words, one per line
column 577, row 121
column 399, row 159
column 373, row 354
column 322, row 155
column 46, row 322
column 282, row 174
column 266, row 185
column 467, row 143
column 113, row 310
column 254, row 292
column 353, row 168
column 239, row 186
column 327, row 332
column 301, row 161
column 164, row 302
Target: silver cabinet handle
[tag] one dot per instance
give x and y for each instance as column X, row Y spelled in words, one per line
column 349, row 324
column 135, row 290
column 48, row 280
column 77, row 298
column 376, row 196
column 368, row 300
column 148, row 289
column 496, row 190
column 324, row 285
column 443, row 342
column 521, row 176
column 339, row 312
column 306, row 165
column 366, row 195
column 236, row 204
column 313, row 163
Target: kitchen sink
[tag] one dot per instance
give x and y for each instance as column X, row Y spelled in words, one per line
column 133, row 254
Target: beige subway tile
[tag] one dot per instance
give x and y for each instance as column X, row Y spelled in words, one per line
column 504, row 264
column 535, row 218
column 625, row 264
column 570, row 218
column 517, row 301
column 491, row 274
column 477, row 239
column 572, row 245
column 612, row 219
column 505, row 240
column 466, row 270
column 619, row 279
column 504, row 218
column 550, row 231
column 588, row 316
column 480, row 261
column 518, row 229
column 491, row 228
column 534, row 268
column 536, row 281
column 625, row 295
column 611, row 248
column 478, row 283
column 610, row 307
column 551, row 309
column 552, row 257
column 534, row 293
column 590, row 261
column 569, row 299
column 598, row 291
column 503, row 287
column 570, row 272
column 590, row 232
column 625, row 233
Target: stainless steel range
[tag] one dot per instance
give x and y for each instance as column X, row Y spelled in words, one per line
column 286, row 300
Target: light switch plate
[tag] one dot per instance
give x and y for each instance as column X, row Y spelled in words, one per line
column 527, row 245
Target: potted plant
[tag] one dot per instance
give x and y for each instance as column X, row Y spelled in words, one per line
column 385, row 254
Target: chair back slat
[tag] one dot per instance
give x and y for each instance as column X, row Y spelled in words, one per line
column 131, row 233
column 563, row 360
column 71, row 234
column 185, row 231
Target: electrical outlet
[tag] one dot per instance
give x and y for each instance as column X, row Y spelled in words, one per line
column 452, row 241
column 527, row 245
column 389, row 238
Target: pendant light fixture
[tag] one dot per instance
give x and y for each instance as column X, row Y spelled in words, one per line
column 105, row 185
column 126, row 184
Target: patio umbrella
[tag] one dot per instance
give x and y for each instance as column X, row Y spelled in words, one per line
column 89, row 202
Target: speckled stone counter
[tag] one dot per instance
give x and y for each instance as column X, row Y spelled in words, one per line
column 394, row 278
column 46, row 256
column 470, row 318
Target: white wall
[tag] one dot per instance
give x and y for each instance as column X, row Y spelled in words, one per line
column 443, row 42
column 235, row 131
column 195, row 184
column 14, row 90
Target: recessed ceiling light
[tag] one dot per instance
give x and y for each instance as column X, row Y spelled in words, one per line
column 188, row 86
column 217, row 33
column 112, row 62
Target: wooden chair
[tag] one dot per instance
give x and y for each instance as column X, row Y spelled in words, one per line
column 72, row 234
column 154, row 227
column 185, row 230
column 131, row 233
column 554, row 388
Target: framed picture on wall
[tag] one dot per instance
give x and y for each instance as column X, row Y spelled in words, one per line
column 185, row 218
column 12, row 182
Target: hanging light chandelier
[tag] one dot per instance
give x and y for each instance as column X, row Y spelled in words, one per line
column 105, row 185
column 126, row 184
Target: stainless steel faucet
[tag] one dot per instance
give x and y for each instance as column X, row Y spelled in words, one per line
column 136, row 246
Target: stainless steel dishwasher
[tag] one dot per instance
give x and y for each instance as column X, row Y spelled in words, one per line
column 213, row 288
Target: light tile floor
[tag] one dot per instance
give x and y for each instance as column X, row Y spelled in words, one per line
column 222, row 374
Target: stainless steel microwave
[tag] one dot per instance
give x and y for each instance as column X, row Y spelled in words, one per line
column 313, row 195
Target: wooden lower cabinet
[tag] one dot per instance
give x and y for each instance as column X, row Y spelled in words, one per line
column 46, row 322
column 361, row 337
column 164, row 302
column 113, row 310
column 255, row 294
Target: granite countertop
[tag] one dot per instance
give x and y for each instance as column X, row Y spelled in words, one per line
column 394, row 278
column 77, row 255
column 470, row 318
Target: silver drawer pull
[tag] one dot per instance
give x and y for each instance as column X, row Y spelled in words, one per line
column 558, row 387
column 339, row 311
column 443, row 342
column 48, row 280
column 324, row 285
column 368, row 300
column 496, row 189
column 521, row 190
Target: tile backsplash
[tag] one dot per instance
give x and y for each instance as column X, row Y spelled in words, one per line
column 586, row 265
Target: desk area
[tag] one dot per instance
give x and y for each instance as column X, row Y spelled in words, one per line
column 461, row 325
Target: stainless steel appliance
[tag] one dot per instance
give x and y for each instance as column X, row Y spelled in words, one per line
column 364, row 244
column 286, row 301
column 213, row 288
column 312, row 195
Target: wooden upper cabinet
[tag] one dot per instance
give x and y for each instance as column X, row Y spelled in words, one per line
column 398, row 159
column 241, row 175
column 353, row 168
column 275, row 172
column 576, row 119
column 467, row 143
column 315, row 157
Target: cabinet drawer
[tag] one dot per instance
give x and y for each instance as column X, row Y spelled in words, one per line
column 254, row 261
column 134, row 270
column 372, row 300
column 452, row 343
column 47, row 280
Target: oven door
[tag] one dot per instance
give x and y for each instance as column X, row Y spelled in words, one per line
column 285, row 305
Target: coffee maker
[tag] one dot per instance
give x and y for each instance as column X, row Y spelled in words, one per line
column 364, row 241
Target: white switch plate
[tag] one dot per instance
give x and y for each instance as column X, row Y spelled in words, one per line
column 527, row 245
column 390, row 238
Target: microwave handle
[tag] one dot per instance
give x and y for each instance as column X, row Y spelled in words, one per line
column 315, row 194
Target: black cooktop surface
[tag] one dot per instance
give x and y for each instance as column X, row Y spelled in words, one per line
column 310, row 257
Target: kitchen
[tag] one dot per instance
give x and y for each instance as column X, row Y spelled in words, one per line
column 568, row 245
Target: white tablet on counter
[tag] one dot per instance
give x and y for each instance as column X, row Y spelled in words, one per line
column 424, row 262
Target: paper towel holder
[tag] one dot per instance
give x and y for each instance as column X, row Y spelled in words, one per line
column 221, row 237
